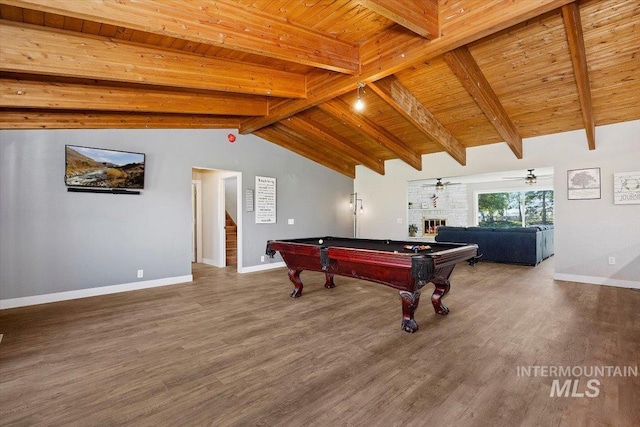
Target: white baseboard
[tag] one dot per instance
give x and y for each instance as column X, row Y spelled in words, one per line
column 91, row 292
column 604, row 281
column 263, row 267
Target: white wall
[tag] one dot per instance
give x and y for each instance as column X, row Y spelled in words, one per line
column 230, row 197
column 587, row 232
column 210, row 233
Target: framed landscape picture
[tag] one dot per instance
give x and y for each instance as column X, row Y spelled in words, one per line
column 626, row 188
column 583, row 184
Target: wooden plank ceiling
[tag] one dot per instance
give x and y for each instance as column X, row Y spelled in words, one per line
column 439, row 75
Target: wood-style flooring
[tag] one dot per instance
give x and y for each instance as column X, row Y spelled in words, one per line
column 235, row 350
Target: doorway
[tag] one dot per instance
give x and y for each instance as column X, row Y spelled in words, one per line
column 219, row 193
column 230, row 189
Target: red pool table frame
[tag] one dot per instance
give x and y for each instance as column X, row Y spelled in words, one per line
column 405, row 271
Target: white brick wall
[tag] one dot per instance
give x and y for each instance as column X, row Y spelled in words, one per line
column 451, row 204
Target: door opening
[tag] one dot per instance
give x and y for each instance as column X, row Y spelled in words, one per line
column 219, row 194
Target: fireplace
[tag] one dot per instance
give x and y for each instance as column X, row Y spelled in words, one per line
column 430, row 225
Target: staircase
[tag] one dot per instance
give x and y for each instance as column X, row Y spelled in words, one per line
column 231, row 230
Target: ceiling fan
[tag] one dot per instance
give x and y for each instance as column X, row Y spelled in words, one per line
column 439, row 185
column 530, row 178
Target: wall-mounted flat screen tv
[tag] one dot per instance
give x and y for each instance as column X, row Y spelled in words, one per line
column 100, row 168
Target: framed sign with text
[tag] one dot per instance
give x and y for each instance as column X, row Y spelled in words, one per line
column 265, row 200
column 248, row 200
column 626, row 188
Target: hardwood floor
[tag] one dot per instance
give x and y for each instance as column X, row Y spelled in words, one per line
column 230, row 349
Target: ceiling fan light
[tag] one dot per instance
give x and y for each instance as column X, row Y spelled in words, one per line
column 530, row 179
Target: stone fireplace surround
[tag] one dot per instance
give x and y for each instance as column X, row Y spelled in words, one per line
column 429, row 209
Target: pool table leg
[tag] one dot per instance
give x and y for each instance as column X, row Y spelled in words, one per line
column 410, row 302
column 442, row 288
column 294, row 276
column 329, row 281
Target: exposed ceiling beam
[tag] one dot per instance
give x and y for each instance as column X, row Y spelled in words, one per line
column 333, row 140
column 573, row 27
column 343, row 112
column 279, row 135
column 399, row 97
column 221, row 23
column 419, row 16
column 34, row 119
column 39, row 50
column 394, row 51
column 322, row 86
column 38, row 94
column 461, row 62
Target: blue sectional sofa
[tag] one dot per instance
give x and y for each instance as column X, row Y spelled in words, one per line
column 522, row 245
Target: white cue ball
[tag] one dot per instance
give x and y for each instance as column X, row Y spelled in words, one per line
column 320, row 241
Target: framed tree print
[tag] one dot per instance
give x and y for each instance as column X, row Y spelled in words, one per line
column 583, row 184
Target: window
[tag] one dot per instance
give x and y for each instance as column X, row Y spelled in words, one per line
column 515, row 208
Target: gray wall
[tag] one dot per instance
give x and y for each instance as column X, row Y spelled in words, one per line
column 53, row 241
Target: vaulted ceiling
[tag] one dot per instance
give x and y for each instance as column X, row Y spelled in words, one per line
column 438, row 75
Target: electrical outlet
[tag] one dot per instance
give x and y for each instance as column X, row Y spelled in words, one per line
column 291, row 221
column 612, row 260
column 140, row 274
column 262, row 258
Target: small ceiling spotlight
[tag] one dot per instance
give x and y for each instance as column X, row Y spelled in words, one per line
column 359, row 105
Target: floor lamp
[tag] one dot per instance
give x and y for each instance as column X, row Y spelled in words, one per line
column 353, row 204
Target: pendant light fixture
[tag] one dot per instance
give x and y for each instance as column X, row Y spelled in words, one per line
column 359, row 105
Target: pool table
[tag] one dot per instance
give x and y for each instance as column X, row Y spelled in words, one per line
column 405, row 266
